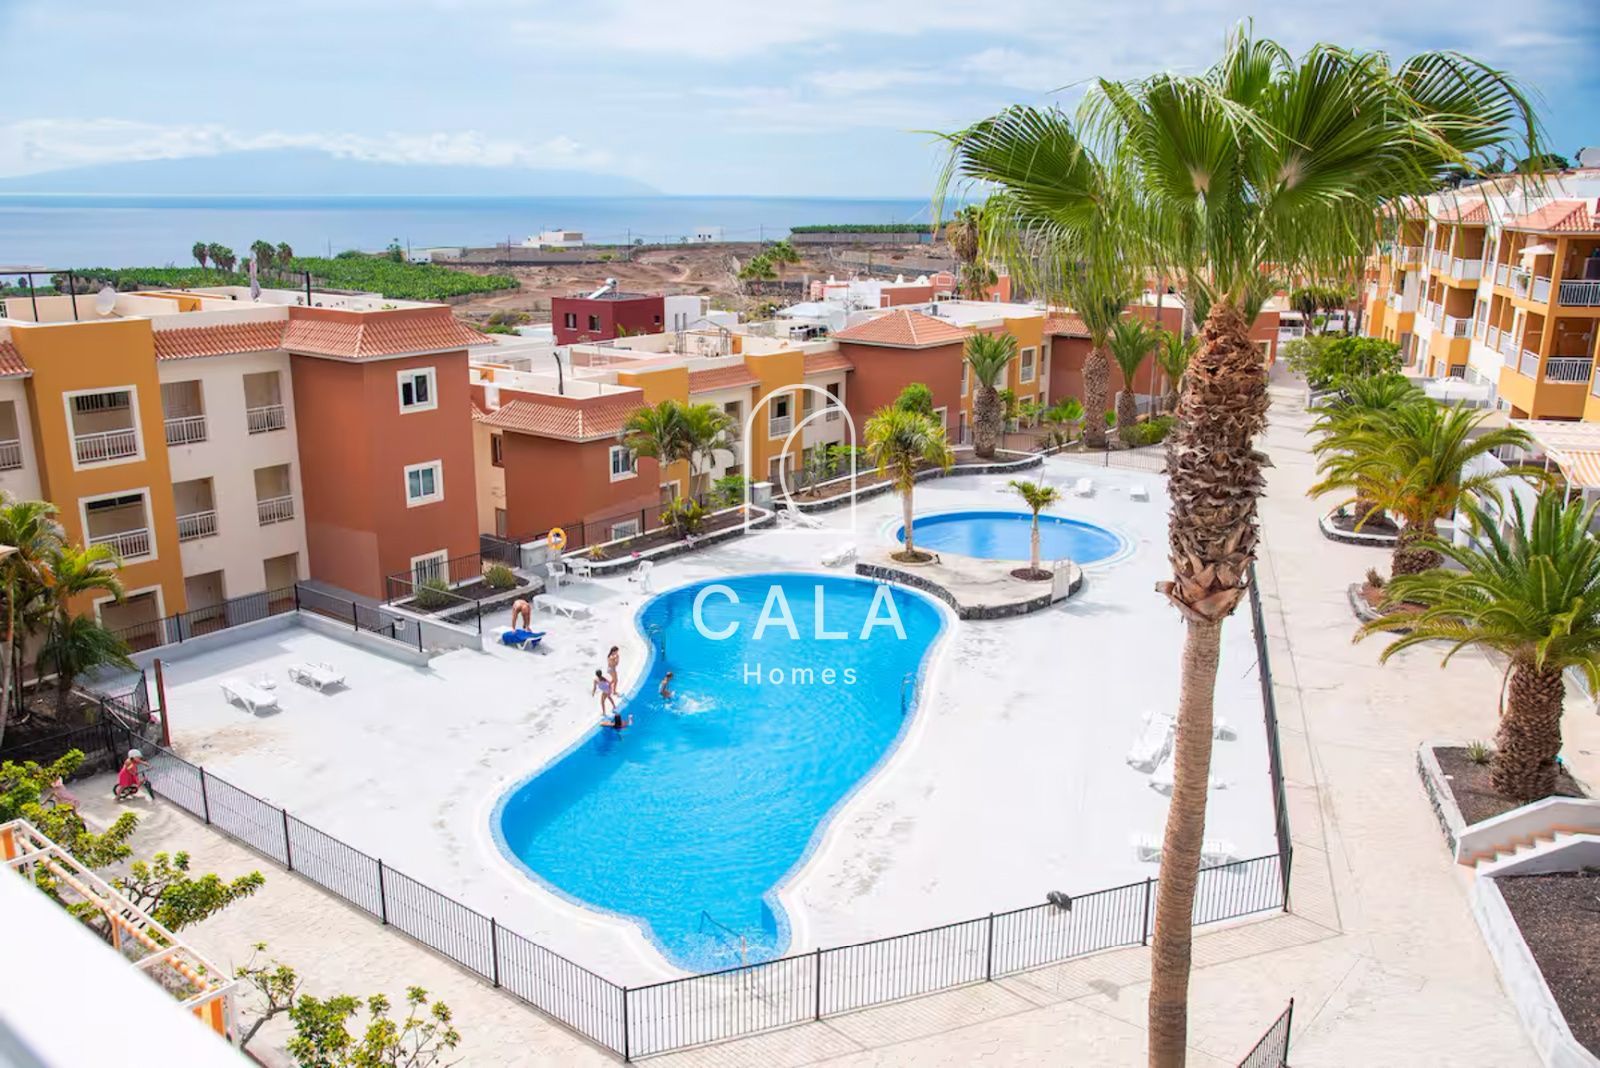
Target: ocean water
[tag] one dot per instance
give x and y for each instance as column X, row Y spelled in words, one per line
column 1008, row 536
column 116, row 231
column 687, row 821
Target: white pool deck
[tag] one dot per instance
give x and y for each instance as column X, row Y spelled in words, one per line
column 1010, row 781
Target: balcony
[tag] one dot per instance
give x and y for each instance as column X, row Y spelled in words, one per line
column 1541, row 290
column 1579, row 293
column 104, row 445
column 274, row 510
column 1568, row 369
column 129, row 544
column 1530, row 363
column 1507, row 346
column 10, row 455
column 186, row 430
column 1438, row 258
column 1408, row 253
column 1466, row 270
column 1453, row 326
column 1492, row 338
column 267, row 417
column 197, row 525
column 1436, row 313
column 779, row 425
column 1502, row 274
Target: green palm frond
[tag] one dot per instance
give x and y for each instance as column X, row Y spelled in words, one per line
column 988, row 355
column 1036, row 495
column 901, row 442
column 1131, row 341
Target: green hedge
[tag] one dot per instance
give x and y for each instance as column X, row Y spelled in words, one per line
column 864, row 228
column 398, row 281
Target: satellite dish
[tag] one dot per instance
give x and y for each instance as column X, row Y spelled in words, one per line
column 105, row 301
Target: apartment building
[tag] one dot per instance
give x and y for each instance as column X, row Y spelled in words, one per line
column 226, row 444
column 1505, row 278
column 605, row 314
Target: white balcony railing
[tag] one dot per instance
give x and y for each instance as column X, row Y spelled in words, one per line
column 129, row 544
column 1289, row 333
column 1502, row 274
column 1568, row 369
column 274, row 510
column 1409, row 253
column 1580, row 293
column 1437, row 315
column 1492, row 339
column 1466, row 270
column 197, row 525
column 1454, row 326
column 779, row 425
column 1438, row 258
column 10, row 455
column 1530, row 363
column 1541, row 290
column 106, row 445
column 186, row 429
column 265, row 418
column 1508, row 344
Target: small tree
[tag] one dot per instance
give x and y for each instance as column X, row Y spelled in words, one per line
column 274, row 982
column 395, row 252
column 1037, row 496
column 201, row 253
column 264, row 253
column 1173, row 356
column 1131, row 342
column 915, row 397
column 987, row 356
column 285, row 255
column 76, row 648
column 900, row 442
column 322, row 1040
column 164, row 888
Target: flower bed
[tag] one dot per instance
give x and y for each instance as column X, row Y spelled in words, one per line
column 615, row 557
column 826, row 496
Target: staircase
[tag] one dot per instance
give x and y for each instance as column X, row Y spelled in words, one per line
column 1528, row 839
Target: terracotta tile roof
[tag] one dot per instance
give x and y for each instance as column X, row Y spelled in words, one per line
column 1559, row 216
column 818, row 362
column 1470, row 212
column 1065, row 326
column 721, row 378
column 190, row 342
column 569, row 422
column 904, row 329
column 11, row 364
column 371, row 335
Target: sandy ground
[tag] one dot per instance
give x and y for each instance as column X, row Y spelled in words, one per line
column 1010, row 782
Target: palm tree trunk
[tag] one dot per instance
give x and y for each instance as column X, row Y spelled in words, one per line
column 5, row 670
column 1410, row 558
column 905, row 505
column 1127, row 413
column 1180, row 850
column 1524, row 765
column 985, row 406
column 1034, row 562
column 1096, row 377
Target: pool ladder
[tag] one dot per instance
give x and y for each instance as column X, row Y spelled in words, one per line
column 906, row 681
column 729, row 933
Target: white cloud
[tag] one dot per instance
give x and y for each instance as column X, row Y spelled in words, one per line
column 35, row 145
column 873, row 79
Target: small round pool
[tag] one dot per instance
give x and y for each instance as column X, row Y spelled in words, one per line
column 1006, row 536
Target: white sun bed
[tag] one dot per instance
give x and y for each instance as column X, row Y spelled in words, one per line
column 248, row 694
column 547, row 603
column 1137, row 492
column 800, row 519
column 641, row 574
column 319, row 676
column 1153, row 743
column 1161, row 777
column 1084, row 487
column 1213, row 851
column 1222, row 731
column 840, row 556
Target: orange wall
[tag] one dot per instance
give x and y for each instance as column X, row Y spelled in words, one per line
column 550, row 482
column 355, row 445
column 668, row 383
column 882, row 372
column 104, row 355
column 774, row 371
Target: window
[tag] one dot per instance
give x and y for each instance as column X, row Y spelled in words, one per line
column 622, row 461
column 570, row 320
column 669, row 493
column 1026, row 366
column 429, row 567
column 808, row 402
column 965, row 369
column 501, row 527
column 497, row 450
column 658, row 320
column 628, row 528
column 835, row 405
column 778, row 419
column 417, row 391
column 424, row 483
column 735, row 411
column 941, row 416
column 594, row 322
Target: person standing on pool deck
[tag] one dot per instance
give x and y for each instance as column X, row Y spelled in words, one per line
column 613, row 658
column 521, row 609
column 603, row 687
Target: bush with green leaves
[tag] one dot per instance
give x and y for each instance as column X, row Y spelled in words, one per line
column 499, row 577
column 916, row 397
column 1325, row 359
column 1152, row 431
column 434, row 594
column 398, row 280
column 684, row 515
column 322, row 1039
column 728, row 490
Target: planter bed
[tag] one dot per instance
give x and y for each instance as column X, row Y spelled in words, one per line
column 1380, row 532
column 628, row 553
column 1475, row 798
column 1560, row 922
column 816, row 499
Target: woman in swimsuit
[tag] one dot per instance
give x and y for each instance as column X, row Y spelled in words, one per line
column 603, row 687
column 613, row 658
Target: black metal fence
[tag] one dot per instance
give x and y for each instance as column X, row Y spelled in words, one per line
column 1272, row 1051
column 237, row 611
column 1269, row 709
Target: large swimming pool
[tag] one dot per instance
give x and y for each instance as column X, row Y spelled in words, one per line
column 1005, row 536
column 789, row 690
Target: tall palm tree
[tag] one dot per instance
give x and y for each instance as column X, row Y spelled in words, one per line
column 76, row 570
column 285, row 254
column 901, row 443
column 1037, row 496
column 77, row 647
column 201, row 252
column 1264, row 161
column 264, row 252
column 1354, row 408
column 1131, row 342
column 29, row 528
column 1532, row 595
column 988, row 356
column 964, row 233
column 671, row 432
column 708, row 432
column 1173, row 357
column 1411, row 462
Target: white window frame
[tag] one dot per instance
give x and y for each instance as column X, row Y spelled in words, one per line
column 128, row 595
column 133, row 409
column 149, row 518
column 628, row 528
column 437, row 467
column 1027, row 364
column 630, row 469
column 439, row 556
column 966, row 369
column 942, row 416
column 411, row 374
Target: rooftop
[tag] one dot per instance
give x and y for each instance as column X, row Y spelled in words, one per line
column 904, row 329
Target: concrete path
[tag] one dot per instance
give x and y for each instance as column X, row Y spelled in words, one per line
column 1380, row 952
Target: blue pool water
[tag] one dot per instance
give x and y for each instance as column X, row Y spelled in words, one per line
column 687, row 821
column 1005, row 536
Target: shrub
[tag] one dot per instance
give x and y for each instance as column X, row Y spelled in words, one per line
column 1479, row 753
column 1325, row 358
column 433, row 594
column 729, row 490
column 1374, row 579
column 686, row 515
column 1111, row 420
column 863, row 228
column 916, row 397
column 499, row 577
column 1152, row 431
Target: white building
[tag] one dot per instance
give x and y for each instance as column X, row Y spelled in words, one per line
column 555, row 239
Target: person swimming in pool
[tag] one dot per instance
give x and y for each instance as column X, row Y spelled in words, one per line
column 607, row 692
column 666, row 686
column 616, row 722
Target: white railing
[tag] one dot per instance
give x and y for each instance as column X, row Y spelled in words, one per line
column 1580, row 293
column 106, row 445
column 1502, row 274
column 1508, row 344
column 1409, row 253
column 779, row 425
column 1289, row 333
column 1521, row 281
column 186, row 429
column 129, row 544
column 1454, row 326
column 1492, row 339
column 1438, row 316
column 1438, row 258
column 1541, row 290
column 1595, row 388
column 265, row 418
column 1568, row 369
column 10, row 455
column 1530, row 363
column 197, row 525
column 274, row 510
column 1466, row 270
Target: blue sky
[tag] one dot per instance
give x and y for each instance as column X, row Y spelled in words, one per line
column 825, row 97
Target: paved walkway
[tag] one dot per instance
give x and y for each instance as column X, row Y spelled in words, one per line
column 1380, row 953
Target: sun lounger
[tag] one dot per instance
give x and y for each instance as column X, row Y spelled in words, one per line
column 317, row 675
column 1214, row 851
column 519, row 638
column 1138, row 493
column 1161, row 777
column 641, row 574
column 801, row 519
column 1153, row 743
column 840, row 556
column 1084, row 487
column 248, row 694
column 545, row 602
column 1222, row 731
column 1147, row 847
